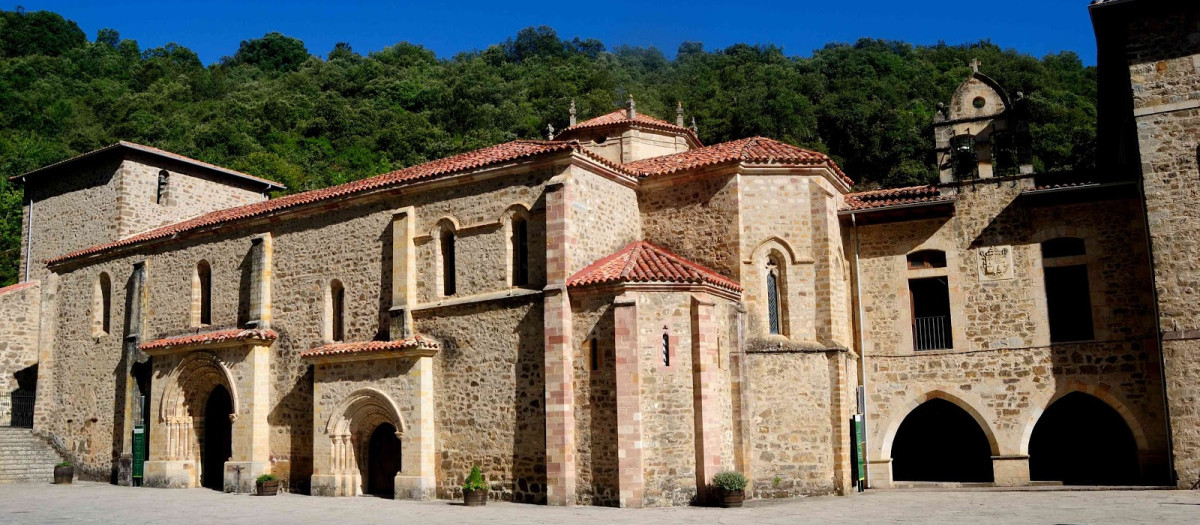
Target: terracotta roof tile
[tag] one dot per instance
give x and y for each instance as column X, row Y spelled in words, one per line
column 508, row 151
column 367, row 347
column 18, row 286
column 220, row 336
column 154, row 151
column 643, row 262
column 753, row 149
column 866, row 200
column 621, row 116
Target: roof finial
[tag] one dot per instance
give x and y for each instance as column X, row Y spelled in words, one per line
column 631, row 112
column 679, row 114
column 549, row 131
column 975, row 65
column 572, row 112
column 695, row 129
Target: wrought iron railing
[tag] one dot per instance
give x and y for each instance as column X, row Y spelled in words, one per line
column 22, row 409
column 931, row 333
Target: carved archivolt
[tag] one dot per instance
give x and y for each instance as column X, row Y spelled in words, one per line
column 188, row 388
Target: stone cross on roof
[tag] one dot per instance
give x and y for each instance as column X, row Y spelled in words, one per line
column 975, row 65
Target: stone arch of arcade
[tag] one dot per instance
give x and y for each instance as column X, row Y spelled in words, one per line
column 939, row 437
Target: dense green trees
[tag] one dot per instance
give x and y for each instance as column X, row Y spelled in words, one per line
column 273, row 110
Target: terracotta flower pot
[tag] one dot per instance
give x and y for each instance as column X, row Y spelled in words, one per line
column 475, row 498
column 732, row 498
column 267, row 488
column 64, row 475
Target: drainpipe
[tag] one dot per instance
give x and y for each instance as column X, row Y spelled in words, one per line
column 29, row 240
column 1158, row 333
column 862, row 354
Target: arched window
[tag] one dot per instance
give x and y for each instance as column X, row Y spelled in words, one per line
column 164, row 180
column 202, row 294
column 666, row 350
column 774, row 297
column 336, row 311
column 446, row 254
column 1068, row 294
column 520, row 251
column 102, row 307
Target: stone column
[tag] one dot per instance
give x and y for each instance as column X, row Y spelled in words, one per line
column 705, row 399
column 1010, row 471
column 841, row 401
column 404, row 274
column 417, row 478
column 559, row 358
column 261, row 261
column 251, row 431
column 631, row 479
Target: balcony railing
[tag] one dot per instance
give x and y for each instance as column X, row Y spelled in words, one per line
column 931, row 333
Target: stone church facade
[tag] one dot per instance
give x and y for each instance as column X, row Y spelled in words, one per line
column 615, row 314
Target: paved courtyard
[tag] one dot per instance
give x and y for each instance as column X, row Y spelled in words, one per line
column 96, row 503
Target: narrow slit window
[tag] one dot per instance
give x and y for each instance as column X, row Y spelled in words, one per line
column 773, row 301
column 594, row 346
column 449, row 284
column 103, row 306
column 666, row 350
column 520, row 251
column 164, row 181
column 204, row 293
column 337, row 311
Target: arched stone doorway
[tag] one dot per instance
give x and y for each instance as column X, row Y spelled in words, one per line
column 940, row 442
column 359, row 424
column 1081, row 440
column 216, row 446
column 382, row 461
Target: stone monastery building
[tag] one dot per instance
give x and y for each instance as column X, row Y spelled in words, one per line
column 612, row 316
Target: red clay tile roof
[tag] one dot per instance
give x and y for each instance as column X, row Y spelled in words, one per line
column 367, row 347
column 621, row 116
column 753, row 149
column 508, row 151
column 866, row 200
column 18, row 286
column 220, row 336
column 154, row 151
column 643, row 262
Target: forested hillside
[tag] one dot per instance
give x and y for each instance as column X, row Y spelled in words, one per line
column 281, row 111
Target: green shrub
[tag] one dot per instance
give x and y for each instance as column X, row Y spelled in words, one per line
column 729, row 480
column 265, row 478
column 64, row 464
column 475, row 480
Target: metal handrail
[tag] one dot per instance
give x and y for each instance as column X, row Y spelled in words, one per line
column 930, row 333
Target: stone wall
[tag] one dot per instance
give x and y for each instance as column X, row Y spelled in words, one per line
column 1002, row 365
column 19, row 324
column 191, row 191
column 70, row 212
column 595, row 402
column 697, row 218
column 1163, row 52
column 604, row 218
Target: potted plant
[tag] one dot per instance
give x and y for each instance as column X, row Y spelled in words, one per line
column 64, row 473
column 731, row 486
column 267, row 485
column 475, row 489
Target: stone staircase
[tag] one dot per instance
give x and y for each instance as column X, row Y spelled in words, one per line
column 25, row 458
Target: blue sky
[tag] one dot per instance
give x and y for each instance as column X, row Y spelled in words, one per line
column 214, row 28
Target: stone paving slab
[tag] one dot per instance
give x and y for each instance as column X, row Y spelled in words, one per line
column 102, row 503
